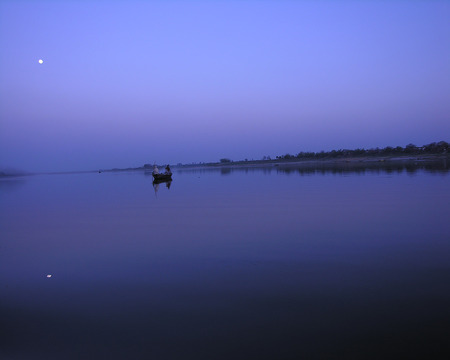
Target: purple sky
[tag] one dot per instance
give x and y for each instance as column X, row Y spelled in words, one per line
column 125, row 83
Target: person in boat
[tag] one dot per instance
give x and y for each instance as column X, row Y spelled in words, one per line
column 155, row 170
column 168, row 172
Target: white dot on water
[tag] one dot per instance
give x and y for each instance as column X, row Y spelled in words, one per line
column 49, row 276
column 41, row 61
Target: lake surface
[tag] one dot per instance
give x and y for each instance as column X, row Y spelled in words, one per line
column 277, row 263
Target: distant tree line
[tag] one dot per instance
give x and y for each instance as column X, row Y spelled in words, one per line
column 440, row 147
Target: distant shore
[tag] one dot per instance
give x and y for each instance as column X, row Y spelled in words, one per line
column 380, row 160
column 346, row 162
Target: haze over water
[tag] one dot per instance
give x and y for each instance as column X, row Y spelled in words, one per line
column 272, row 263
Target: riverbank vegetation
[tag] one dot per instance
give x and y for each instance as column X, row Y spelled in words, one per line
column 434, row 149
column 441, row 147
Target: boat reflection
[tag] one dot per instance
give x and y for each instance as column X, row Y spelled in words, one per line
column 158, row 182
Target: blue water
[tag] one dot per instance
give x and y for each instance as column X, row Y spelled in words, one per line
column 249, row 263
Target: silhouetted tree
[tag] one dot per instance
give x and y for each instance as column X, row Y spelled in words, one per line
column 410, row 149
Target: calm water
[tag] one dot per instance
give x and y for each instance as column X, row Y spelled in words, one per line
column 264, row 263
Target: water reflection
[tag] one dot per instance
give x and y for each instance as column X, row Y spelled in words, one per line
column 11, row 183
column 440, row 166
column 157, row 183
column 258, row 264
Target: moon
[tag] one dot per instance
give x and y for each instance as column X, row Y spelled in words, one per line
column 41, row 61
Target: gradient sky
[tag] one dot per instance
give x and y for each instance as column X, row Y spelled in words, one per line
column 125, row 83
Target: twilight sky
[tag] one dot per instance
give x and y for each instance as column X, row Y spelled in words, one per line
column 125, row 83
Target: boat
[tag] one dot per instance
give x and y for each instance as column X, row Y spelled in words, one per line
column 162, row 177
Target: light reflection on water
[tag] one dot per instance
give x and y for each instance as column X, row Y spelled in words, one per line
column 248, row 263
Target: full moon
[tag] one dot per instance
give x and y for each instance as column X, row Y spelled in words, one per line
column 40, row 61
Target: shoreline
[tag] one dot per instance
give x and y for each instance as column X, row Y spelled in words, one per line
column 366, row 160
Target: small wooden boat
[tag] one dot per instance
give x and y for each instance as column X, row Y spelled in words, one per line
column 162, row 177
